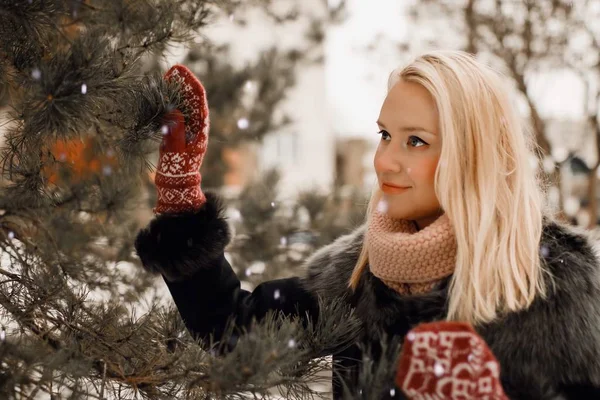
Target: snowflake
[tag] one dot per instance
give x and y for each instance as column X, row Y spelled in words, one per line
column 382, row 206
column 438, row 369
column 243, row 123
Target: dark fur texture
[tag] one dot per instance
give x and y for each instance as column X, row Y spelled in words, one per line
column 177, row 245
column 545, row 351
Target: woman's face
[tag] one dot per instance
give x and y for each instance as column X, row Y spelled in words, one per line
column 408, row 154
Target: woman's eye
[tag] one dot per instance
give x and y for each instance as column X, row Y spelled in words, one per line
column 384, row 135
column 415, row 141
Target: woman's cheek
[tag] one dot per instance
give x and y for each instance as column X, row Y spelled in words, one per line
column 423, row 170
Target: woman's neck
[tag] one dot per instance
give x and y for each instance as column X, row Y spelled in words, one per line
column 424, row 222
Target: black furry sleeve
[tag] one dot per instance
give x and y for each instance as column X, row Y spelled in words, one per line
column 188, row 250
column 179, row 245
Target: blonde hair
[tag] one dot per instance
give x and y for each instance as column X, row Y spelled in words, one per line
column 485, row 184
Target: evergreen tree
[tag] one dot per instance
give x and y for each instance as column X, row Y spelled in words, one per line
column 84, row 100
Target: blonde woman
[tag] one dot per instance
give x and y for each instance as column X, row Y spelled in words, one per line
column 456, row 230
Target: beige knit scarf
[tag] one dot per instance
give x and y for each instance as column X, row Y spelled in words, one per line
column 406, row 259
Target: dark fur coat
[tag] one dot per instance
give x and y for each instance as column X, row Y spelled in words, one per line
column 549, row 351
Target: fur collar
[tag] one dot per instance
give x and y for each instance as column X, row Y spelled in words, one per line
column 569, row 254
column 556, row 340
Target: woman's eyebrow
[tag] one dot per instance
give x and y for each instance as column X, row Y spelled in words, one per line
column 416, row 129
column 408, row 128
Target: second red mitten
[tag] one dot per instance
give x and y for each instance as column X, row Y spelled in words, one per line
column 448, row 360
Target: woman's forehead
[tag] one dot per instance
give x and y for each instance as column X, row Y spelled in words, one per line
column 408, row 106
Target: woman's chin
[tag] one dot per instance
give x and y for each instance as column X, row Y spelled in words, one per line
column 397, row 213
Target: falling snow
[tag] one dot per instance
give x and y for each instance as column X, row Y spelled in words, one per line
column 382, row 206
column 438, row 369
column 243, row 123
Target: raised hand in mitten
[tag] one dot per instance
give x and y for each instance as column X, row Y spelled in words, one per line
column 185, row 137
column 448, row 360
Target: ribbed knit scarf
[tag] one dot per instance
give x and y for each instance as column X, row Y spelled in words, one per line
column 406, row 259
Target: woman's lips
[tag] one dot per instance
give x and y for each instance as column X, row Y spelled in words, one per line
column 393, row 189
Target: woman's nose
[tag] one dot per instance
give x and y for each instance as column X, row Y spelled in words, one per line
column 389, row 159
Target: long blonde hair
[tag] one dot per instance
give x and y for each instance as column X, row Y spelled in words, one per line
column 485, row 184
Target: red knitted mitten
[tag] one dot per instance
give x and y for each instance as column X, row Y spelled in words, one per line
column 448, row 360
column 182, row 148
